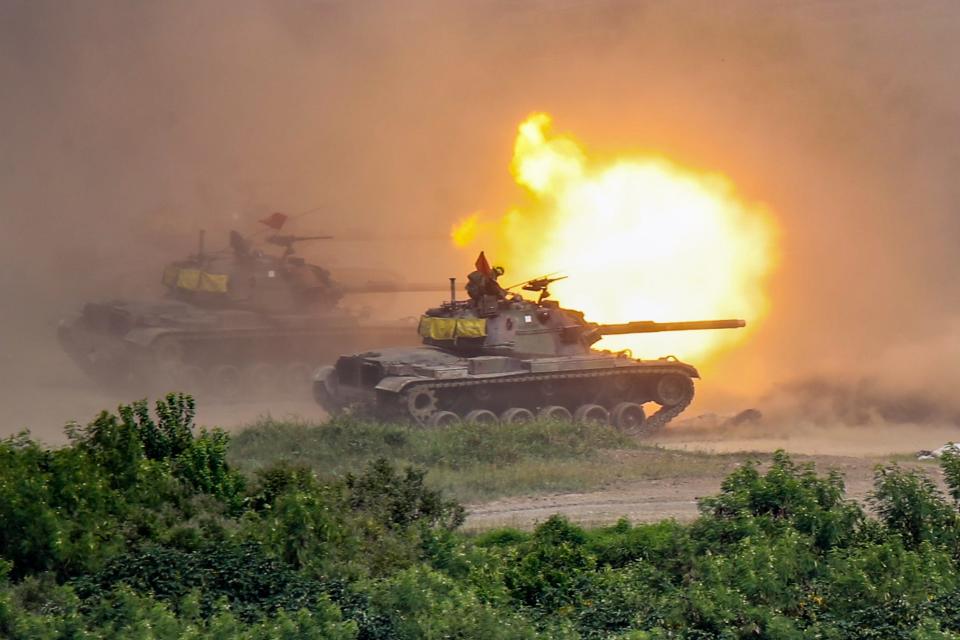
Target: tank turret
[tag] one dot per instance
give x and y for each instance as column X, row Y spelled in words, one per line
column 252, row 279
column 505, row 358
column 520, row 327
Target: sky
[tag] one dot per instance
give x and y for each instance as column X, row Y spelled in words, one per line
column 128, row 127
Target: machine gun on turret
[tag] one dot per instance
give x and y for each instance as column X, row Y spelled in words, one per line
column 538, row 285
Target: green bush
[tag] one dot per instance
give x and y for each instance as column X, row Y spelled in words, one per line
column 141, row 528
column 421, row 603
column 950, row 463
column 254, row 584
column 397, row 501
column 909, row 504
column 786, row 496
column 125, row 477
column 550, row 570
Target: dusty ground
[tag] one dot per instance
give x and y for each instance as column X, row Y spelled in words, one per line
column 43, row 390
column 45, row 396
column 647, row 501
column 852, row 451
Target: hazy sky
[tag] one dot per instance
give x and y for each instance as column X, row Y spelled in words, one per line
column 128, row 126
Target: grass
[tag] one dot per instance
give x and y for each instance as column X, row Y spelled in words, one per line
column 473, row 463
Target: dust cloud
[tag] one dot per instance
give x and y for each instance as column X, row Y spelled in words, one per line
column 130, row 126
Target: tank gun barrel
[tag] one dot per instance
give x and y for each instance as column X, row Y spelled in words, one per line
column 287, row 241
column 649, row 326
column 389, row 286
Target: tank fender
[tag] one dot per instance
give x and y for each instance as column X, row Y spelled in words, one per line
column 320, row 374
column 324, row 376
column 396, row 384
column 690, row 370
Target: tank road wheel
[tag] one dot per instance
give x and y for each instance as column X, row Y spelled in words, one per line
column 591, row 413
column 516, row 415
column 628, row 416
column 480, row 416
column 443, row 419
column 673, row 389
column 262, row 379
column 226, row 382
column 421, row 404
column 555, row 412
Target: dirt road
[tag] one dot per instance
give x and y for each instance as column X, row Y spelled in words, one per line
column 649, row 501
column 853, row 451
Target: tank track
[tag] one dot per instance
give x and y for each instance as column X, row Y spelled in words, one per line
column 653, row 422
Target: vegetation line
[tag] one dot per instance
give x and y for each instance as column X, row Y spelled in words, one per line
column 143, row 527
column 472, row 463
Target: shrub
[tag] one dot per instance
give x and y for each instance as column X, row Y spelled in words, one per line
column 140, row 528
column 876, row 575
column 399, row 500
column 665, row 545
column 421, row 603
column 910, row 504
column 787, row 495
column 243, row 575
column 950, row 464
column 124, row 477
column 550, row 570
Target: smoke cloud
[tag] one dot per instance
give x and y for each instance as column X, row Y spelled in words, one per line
column 130, row 126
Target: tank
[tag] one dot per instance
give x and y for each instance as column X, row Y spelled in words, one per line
column 510, row 359
column 243, row 322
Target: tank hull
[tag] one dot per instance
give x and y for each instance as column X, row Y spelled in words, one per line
column 421, row 384
column 228, row 354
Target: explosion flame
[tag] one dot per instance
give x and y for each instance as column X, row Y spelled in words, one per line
column 640, row 237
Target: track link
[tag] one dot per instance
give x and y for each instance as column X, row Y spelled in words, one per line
column 654, row 422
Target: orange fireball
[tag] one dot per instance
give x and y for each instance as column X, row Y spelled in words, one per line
column 640, row 238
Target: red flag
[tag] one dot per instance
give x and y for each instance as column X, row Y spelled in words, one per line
column 482, row 265
column 275, row 220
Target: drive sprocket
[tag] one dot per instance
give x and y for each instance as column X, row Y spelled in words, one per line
column 421, row 403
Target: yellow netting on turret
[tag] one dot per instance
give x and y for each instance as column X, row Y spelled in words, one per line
column 194, row 280
column 451, row 328
column 471, row 328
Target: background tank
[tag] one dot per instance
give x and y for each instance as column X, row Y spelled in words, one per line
column 233, row 323
column 510, row 360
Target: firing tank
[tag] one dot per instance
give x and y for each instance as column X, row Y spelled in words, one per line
column 242, row 322
column 509, row 359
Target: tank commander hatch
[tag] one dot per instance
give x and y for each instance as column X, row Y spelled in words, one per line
column 482, row 285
